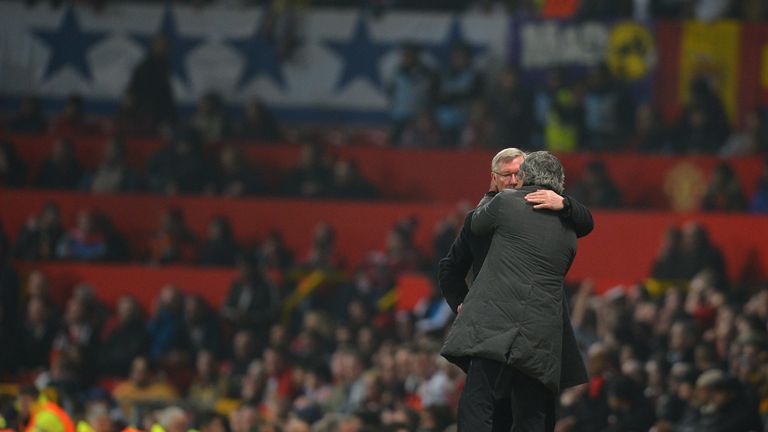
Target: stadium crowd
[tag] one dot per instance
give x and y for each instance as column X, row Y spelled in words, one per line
column 685, row 350
column 303, row 341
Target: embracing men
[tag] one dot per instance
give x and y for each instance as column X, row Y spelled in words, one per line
column 512, row 334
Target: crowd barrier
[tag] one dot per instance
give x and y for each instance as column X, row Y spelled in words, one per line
column 646, row 181
column 621, row 249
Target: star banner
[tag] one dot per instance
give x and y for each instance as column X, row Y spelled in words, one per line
column 341, row 60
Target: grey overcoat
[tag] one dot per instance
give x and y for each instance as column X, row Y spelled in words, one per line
column 513, row 313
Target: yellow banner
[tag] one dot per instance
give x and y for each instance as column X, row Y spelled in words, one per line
column 711, row 50
column 764, row 67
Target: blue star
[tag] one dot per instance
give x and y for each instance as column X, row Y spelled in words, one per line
column 442, row 51
column 360, row 55
column 260, row 55
column 69, row 45
column 179, row 45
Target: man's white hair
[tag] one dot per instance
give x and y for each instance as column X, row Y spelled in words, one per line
column 542, row 168
column 506, row 155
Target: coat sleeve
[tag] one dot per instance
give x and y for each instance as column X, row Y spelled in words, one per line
column 453, row 268
column 485, row 215
column 579, row 217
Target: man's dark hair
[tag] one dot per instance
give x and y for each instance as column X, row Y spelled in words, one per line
column 542, row 168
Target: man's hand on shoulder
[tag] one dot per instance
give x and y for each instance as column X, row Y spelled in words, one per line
column 545, row 199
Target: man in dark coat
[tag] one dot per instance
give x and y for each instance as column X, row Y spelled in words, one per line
column 151, row 88
column 512, row 334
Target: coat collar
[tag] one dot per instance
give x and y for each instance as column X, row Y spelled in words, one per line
column 532, row 188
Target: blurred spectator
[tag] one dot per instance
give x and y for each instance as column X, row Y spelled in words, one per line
column 13, row 169
column 674, row 404
column 459, row 86
column 720, row 405
column 751, row 139
column 698, row 253
column 173, row 241
column 558, row 116
column 280, row 24
column 112, row 175
column 724, row 191
column 179, row 167
column 72, row 122
column 315, row 391
column 35, row 412
column 607, row 111
column 142, row 386
column 77, row 343
column 596, row 189
column 62, row 169
column 244, row 353
column 210, row 121
column 30, row 118
column 168, row 344
column 323, row 254
column 401, row 253
column 150, row 85
column 219, row 247
column 40, row 235
column 85, row 242
column 259, row 123
column 348, row 368
column 511, row 105
column 411, row 91
column 125, row 338
column 37, row 334
column 703, row 127
column 759, row 202
column 585, row 408
column 432, row 313
column 480, row 130
column 273, row 254
column 666, row 264
column 10, row 314
column 348, row 183
column 311, row 178
column 252, row 300
column 280, row 388
column 208, row 386
column 201, row 327
column 130, row 120
column 630, row 411
column 171, row 419
column 118, row 249
column 649, row 132
column 234, row 176
column 421, row 131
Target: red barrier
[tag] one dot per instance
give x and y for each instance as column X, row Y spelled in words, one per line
column 447, row 176
column 360, row 228
column 110, row 282
column 620, row 250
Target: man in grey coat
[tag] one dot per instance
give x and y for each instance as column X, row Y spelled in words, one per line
column 510, row 330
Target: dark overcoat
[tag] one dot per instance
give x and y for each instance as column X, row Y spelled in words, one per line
column 516, row 312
